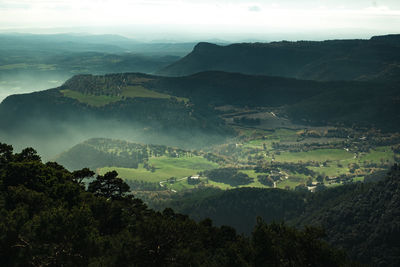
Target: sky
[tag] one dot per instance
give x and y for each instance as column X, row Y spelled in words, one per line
column 223, row 19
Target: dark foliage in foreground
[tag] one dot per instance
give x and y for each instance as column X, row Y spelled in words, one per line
column 362, row 218
column 48, row 219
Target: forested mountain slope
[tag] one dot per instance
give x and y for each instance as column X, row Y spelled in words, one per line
column 362, row 218
column 181, row 110
column 304, row 101
column 374, row 59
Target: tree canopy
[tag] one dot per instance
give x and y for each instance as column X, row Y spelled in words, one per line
column 49, row 219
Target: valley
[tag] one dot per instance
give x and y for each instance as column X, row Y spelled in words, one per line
column 307, row 159
column 265, row 139
column 37, row 62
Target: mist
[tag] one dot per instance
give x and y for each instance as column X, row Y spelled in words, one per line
column 11, row 84
column 53, row 138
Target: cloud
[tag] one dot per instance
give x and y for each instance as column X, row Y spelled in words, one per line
column 206, row 16
column 254, row 9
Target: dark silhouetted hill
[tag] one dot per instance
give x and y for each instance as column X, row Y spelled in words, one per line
column 328, row 60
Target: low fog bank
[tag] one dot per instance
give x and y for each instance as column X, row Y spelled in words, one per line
column 51, row 139
column 27, row 83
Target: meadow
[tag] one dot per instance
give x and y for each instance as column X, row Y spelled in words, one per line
column 92, row 100
column 280, row 155
column 136, row 91
column 314, row 155
column 165, row 168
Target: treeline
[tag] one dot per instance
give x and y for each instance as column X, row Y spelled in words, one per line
column 238, row 207
column 362, row 218
column 102, row 152
column 276, row 167
column 109, row 84
column 50, row 219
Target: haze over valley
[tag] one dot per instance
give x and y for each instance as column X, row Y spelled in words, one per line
column 220, row 133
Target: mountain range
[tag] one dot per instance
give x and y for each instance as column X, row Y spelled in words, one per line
column 374, row 59
column 341, row 97
column 183, row 110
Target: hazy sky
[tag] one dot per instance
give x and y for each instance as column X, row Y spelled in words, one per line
column 223, row 18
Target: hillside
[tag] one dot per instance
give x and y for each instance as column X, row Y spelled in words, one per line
column 182, row 111
column 362, row 218
column 238, row 208
column 62, row 116
column 374, row 59
column 102, row 152
column 303, row 101
column 49, row 218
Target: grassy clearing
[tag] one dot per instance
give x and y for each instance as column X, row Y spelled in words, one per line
column 258, row 143
column 284, row 135
column 180, row 186
column 129, row 91
column 139, row 174
column 220, row 185
column 140, row 91
column 288, row 183
column 193, row 163
column 379, row 154
column 279, row 135
column 315, row 155
column 165, row 168
column 331, row 170
column 358, row 179
column 332, row 185
column 92, row 100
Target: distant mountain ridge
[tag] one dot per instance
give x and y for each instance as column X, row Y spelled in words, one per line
column 105, row 43
column 310, row 60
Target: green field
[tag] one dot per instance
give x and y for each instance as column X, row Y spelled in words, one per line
column 331, row 170
column 318, row 155
column 333, row 162
column 92, row 100
column 140, row 91
column 183, row 185
column 173, row 167
column 129, row 91
column 358, row 179
column 165, row 168
column 179, row 186
column 379, row 154
column 288, row 183
column 269, row 137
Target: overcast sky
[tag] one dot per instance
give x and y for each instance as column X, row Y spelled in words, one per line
column 222, row 18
